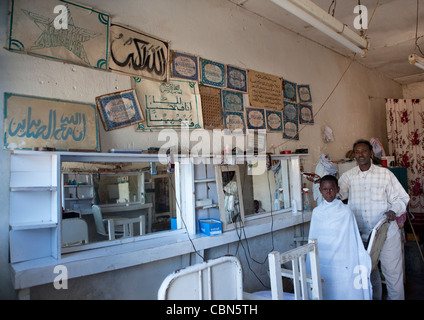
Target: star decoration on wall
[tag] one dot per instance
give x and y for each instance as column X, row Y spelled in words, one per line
column 71, row 38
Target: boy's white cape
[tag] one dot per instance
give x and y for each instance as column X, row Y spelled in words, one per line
column 345, row 265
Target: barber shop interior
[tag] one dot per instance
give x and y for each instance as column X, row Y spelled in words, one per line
column 150, row 145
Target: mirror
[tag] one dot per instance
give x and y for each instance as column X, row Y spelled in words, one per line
column 262, row 187
column 231, row 208
column 133, row 198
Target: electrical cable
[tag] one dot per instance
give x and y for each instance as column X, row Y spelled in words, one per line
column 342, row 76
column 185, row 226
column 242, row 231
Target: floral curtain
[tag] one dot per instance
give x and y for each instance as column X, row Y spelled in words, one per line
column 405, row 132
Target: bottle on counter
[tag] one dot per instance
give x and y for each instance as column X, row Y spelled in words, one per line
column 306, row 202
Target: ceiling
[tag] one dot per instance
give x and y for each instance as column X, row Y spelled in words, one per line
column 391, row 32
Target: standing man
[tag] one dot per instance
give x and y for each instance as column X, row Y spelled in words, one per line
column 375, row 193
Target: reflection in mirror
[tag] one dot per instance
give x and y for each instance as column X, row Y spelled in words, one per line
column 106, row 201
column 265, row 190
column 229, row 195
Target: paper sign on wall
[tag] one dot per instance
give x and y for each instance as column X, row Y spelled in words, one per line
column 32, row 122
column 172, row 105
column 265, row 90
column 75, row 33
column 138, row 54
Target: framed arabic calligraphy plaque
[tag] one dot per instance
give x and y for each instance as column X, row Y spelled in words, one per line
column 75, row 34
column 172, row 105
column 119, row 109
column 138, row 54
column 35, row 122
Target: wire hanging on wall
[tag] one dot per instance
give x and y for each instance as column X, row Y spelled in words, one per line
column 340, row 79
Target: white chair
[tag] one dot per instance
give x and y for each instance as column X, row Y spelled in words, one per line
column 116, row 226
column 376, row 241
column 74, row 232
column 305, row 286
column 217, row 279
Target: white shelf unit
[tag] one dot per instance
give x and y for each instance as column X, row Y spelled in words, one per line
column 80, row 194
column 205, row 188
column 34, row 206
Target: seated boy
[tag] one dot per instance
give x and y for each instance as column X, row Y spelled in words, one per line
column 344, row 263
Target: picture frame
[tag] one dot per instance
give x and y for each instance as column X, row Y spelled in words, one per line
column 212, row 73
column 274, row 121
column 306, row 116
column 291, row 130
column 230, row 196
column 291, row 111
column 236, row 79
column 232, row 101
column 304, row 92
column 234, row 122
column 119, row 109
column 184, row 66
column 255, row 118
column 289, row 90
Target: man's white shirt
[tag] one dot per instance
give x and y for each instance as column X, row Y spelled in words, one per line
column 370, row 194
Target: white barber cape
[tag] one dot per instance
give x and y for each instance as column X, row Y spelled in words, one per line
column 345, row 265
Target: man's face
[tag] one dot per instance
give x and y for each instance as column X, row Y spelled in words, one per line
column 329, row 190
column 363, row 154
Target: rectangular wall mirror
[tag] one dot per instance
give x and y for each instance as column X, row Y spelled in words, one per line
column 104, row 201
column 263, row 189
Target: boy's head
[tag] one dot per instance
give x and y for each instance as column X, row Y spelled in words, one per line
column 329, row 187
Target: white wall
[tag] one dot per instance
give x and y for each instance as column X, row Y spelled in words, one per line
column 221, row 31
column 413, row 90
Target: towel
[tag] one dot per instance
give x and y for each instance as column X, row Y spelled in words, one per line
column 345, row 265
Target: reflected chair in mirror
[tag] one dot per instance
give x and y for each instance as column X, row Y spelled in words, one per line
column 306, row 286
column 113, row 227
column 74, row 232
column 216, row 279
